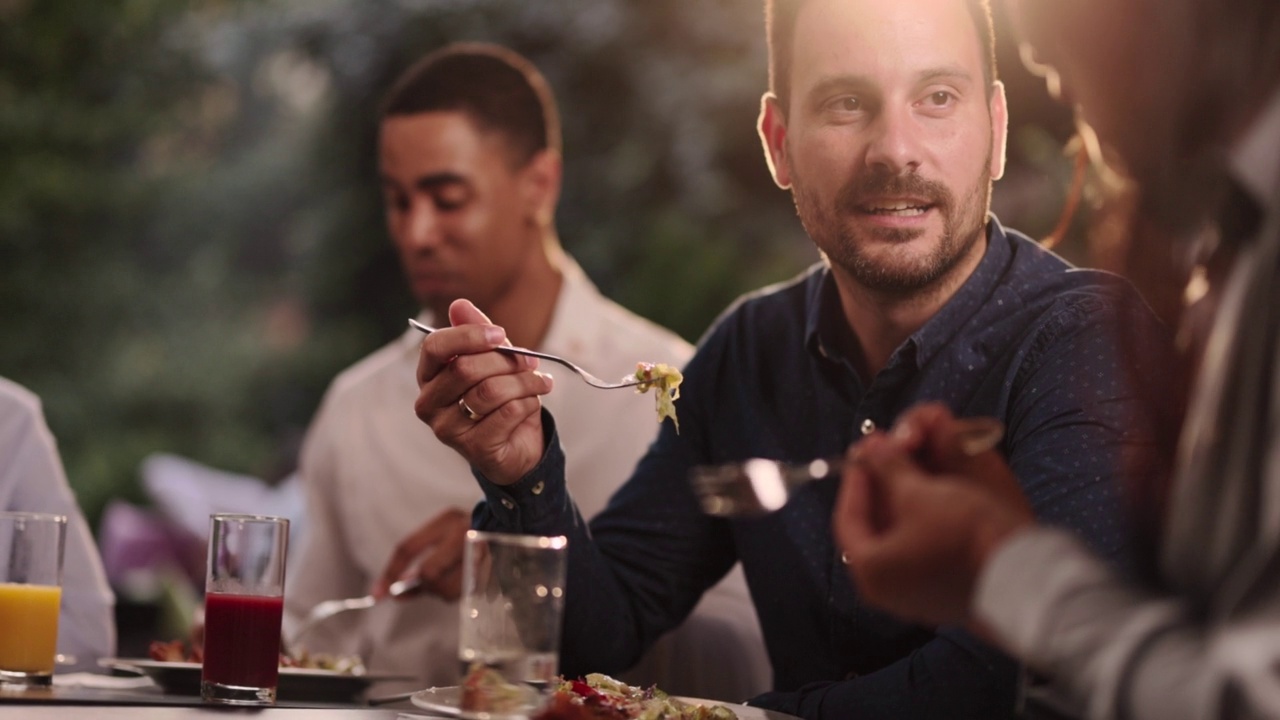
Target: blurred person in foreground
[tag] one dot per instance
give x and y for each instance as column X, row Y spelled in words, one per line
column 32, row 480
column 887, row 123
column 470, row 165
column 1183, row 98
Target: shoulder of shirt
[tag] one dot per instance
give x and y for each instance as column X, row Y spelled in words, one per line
column 15, row 398
column 20, row 413
column 1064, row 299
column 390, row 358
column 784, row 303
column 586, row 321
column 641, row 330
column 1060, row 281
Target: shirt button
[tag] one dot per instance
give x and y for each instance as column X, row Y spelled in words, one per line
column 868, row 427
column 537, row 489
column 506, row 503
column 844, row 558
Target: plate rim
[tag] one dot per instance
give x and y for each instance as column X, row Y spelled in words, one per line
column 453, row 709
column 417, row 698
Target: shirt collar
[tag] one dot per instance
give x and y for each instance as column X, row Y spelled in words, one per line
column 824, row 325
column 826, row 328
column 569, row 323
column 572, row 322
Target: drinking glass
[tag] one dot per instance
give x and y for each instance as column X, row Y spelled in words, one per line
column 31, row 546
column 243, row 604
column 512, row 608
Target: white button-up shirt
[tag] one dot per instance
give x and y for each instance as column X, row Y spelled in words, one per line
column 374, row 472
column 32, row 480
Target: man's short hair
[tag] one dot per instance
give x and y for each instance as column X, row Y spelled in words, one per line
column 780, row 27
column 499, row 90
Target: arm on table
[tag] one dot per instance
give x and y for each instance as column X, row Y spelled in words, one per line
column 436, row 547
column 34, row 480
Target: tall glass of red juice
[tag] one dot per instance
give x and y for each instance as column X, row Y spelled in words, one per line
column 243, row 602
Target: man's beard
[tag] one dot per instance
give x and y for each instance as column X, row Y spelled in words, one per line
column 846, row 246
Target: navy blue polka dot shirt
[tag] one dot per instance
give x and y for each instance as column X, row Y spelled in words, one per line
column 1027, row 339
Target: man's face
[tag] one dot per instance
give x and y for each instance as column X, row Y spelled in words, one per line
column 1113, row 61
column 461, row 216
column 889, row 142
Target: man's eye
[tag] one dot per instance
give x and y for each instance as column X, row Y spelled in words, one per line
column 940, row 98
column 849, row 104
column 451, row 198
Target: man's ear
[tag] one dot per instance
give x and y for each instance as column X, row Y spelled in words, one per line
column 999, row 110
column 541, row 179
column 772, row 127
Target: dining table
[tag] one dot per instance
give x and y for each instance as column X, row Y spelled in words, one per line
column 90, row 697
column 113, row 697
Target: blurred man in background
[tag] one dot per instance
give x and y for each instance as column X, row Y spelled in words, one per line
column 1184, row 97
column 887, row 123
column 471, row 171
column 32, row 480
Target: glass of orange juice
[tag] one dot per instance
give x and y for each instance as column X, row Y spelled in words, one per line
column 30, row 591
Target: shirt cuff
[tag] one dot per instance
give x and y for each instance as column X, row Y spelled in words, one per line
column 535, row 499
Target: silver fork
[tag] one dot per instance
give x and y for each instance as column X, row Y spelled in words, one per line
column 327, row 609
column 756, row 486
column 628, row 381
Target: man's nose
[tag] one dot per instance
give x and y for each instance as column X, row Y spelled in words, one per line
column 422, row 225
column 893, row 145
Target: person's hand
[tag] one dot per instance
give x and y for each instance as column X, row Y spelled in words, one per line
column 483, row 404
column 437, row 548
column 917, row 517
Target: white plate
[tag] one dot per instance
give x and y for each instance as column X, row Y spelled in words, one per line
column 444, row 700
column 447, row 700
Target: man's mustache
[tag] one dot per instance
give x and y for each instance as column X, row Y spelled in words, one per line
column 880, row 185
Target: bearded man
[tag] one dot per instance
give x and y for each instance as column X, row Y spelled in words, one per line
column 887, row 123
column 1181, row 98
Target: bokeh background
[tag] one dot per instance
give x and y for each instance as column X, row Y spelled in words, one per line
column 191, row 235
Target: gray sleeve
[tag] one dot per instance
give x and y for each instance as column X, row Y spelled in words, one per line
column 1118, row 651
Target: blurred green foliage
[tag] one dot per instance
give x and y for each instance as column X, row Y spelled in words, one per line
column 191, row 238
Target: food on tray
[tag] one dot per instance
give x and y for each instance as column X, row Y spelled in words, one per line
column 179, row 651
column 600, row 697
column 344, row 664
column 666, row 380
column 485, row 690
column 175, row 651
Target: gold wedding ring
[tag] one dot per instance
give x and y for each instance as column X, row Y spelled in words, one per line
column 467, row 411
